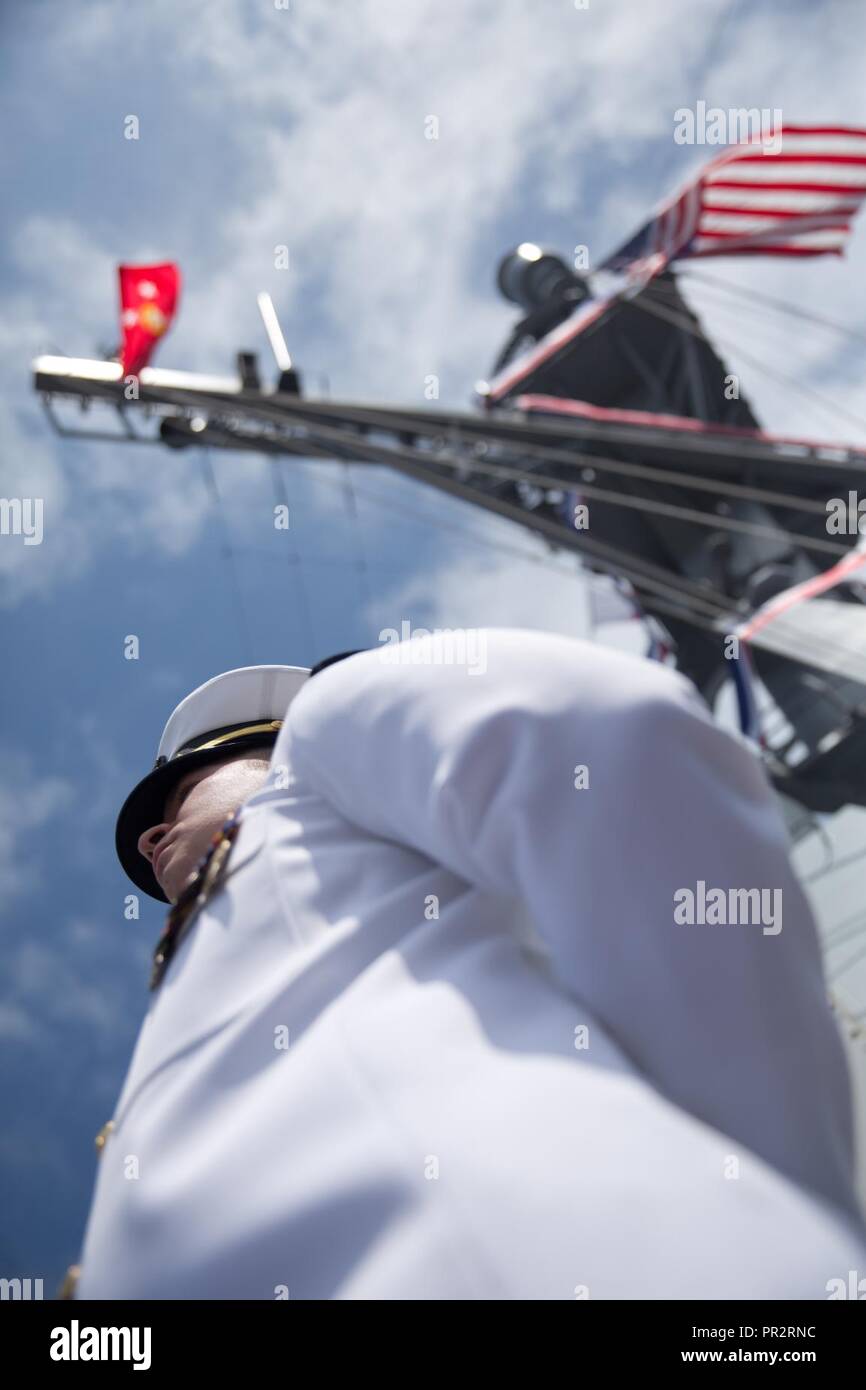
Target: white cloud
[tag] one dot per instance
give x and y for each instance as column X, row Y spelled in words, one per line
column 48, row 990
column 29, row 801
column 478, row 589
column 16, row 1024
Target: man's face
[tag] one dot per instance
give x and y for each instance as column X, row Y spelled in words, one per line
column 196, row 808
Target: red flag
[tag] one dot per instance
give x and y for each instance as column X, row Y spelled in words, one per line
column 148, row 299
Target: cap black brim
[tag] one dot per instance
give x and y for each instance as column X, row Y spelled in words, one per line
column 145, row 807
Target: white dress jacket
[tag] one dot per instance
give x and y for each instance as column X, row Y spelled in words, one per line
column 438, row 1035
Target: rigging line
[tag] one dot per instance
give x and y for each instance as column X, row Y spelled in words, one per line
column 838, row 936
column 687, row 483
column 406, row 461
column 282, row 498
column 681, row 321
column 617, row 561
column 837, row 864
column 834, row 938
column 599, row 556
column 521, row 515
column 659, row 605
column 653, row 474
column 580, row 462
column 699, row 518
column 351, row 502
column 582, row 573
column 331, row 443
column 330, row 454
column 768, row 337
column 820, row 646
column 776, row 332
column 816, row 828
column 825, row 403
column 428, row 520
column 714, row 520
column 714, row 301
column 690, row 514
column 525, row 435
column 365, row 420
column 847, row 927
column 397, row 458
column 687, row 325
column 228, row 552
column 573, row 570
column 847, row 964
column 755, row 296
column 569, row 571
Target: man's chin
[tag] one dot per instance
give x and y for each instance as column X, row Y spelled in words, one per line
column 180, row 864
column 177, row 876
column 171, row 879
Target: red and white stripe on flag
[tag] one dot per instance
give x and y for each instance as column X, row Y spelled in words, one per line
column 794, row 197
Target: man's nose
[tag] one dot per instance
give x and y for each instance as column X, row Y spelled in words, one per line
column 148, row 841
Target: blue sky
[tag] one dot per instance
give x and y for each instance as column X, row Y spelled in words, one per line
column 302, row 127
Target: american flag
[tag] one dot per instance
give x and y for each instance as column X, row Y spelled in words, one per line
column 795, row 196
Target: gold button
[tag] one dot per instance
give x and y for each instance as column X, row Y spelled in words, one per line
column 102, row 1137
column 70, row 1282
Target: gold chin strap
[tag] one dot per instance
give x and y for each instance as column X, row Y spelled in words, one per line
column 268, row 728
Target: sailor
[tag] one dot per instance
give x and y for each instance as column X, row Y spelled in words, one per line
column 217, row 745
column 426, row 1024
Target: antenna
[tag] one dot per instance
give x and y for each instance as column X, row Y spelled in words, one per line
column 289, row 381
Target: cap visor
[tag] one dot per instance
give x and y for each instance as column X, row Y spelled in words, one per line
column 145, row 807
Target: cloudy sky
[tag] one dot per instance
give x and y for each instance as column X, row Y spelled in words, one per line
column 304, row 125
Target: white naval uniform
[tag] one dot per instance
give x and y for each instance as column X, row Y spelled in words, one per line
column 436, row 1127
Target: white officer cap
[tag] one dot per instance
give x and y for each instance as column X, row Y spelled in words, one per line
column 232, row 711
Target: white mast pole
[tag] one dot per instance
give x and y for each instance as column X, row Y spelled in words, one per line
column 274, row 332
